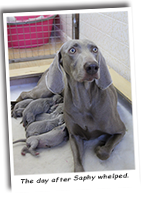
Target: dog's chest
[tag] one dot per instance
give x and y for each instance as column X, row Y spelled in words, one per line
column 85, row 123
column 89, row 116
column 86, row 132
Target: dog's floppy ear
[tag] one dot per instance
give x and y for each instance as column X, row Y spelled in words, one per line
column 55, row 78
column 105, row 79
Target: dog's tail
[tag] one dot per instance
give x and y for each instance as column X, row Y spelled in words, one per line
column 21, row 140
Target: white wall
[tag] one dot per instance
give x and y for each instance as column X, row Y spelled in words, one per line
column 66, row 27
column 109, row 30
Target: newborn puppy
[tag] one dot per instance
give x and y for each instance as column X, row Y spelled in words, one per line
column 50, row 139
column 39, row 127
column 38, row 106
column 19, row 107
column 54, row 114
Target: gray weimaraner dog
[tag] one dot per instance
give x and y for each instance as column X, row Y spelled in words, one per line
column 40, row 91
column 90, row 99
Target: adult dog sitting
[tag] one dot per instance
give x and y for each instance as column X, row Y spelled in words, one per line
column 90, row 99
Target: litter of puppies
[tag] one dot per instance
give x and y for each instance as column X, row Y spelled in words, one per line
column 43, row 121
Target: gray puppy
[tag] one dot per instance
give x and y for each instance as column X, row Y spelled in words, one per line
column 54, row 114
column 50, row 139
column 39, row 127
column 19, row 108
column 38, row 106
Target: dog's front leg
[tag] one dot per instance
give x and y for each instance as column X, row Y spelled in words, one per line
column 77, row 146
column 104, row 152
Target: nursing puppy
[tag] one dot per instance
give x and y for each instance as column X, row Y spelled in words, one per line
column 38, row 106
column 40, row 127
column 50, row 139
column 52, row 115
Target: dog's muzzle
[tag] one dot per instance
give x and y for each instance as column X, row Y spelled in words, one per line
column 91, row 68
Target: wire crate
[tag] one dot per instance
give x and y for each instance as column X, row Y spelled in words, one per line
column 39, row 36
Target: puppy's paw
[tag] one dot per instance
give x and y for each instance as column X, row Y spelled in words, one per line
column 23, row 153
column 36, row 153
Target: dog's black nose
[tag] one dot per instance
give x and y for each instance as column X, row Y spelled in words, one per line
column 91, row 67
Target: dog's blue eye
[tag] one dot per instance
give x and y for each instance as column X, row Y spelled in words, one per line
column 72, row 50
column 94, row 49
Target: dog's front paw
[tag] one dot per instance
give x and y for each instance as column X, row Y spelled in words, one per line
column 102, row 153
